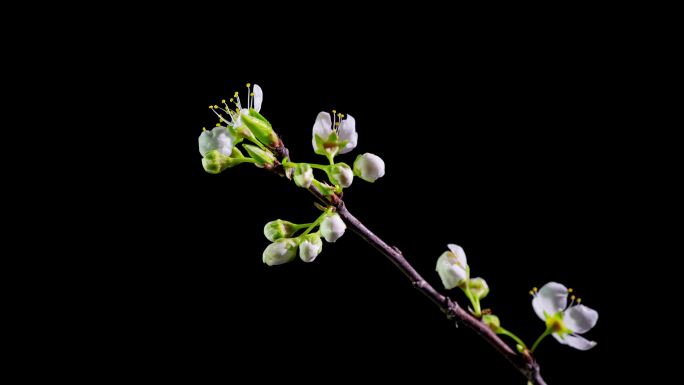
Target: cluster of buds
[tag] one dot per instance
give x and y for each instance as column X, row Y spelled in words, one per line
column 285, row 243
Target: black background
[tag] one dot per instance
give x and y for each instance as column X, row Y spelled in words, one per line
column 504, row 143
column 505, row 155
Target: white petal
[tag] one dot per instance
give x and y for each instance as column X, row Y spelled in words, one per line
column 224, row 145
column 206, row 142
column 449, row 271
column 219, row 138
column 575, row 341
column 347, row 131
column 459, row 253
column 323, row 125
column 552, row 298
column 258, row 97
column 580, row 319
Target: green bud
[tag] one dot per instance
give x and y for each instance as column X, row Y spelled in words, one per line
column 214, row 162
column 309, row 247
column 278, row 229
column 262, row 157
column 478, row 287
column 324, row 188
column 303, row 175
column 492, row 322
column 260, row 127
column 281, row 251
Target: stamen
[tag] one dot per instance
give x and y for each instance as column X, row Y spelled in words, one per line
column 535, row 289
column 217, row 114
column 204, row 129
column 570, row 290
column 532, row 293
column 249, row 98
column 579, row 301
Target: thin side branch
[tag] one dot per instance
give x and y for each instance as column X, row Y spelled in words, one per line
column 525, row 363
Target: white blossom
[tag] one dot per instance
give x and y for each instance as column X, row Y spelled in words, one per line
column 550, row 304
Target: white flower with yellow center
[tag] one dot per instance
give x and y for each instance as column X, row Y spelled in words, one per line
column 332, row 136
column 565, row 322
column 255, row 96
column 246, row 122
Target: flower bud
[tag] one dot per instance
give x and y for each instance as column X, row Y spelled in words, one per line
column 303, row 175
column 279, row 228
column 478, row 287
column 262, row 157
column 214, row 162
column 260, row 127
column 452, row 267
column 492, row 322
column 369, row 167
column 218, row 138
column 310, row 246
column 281, row 251
column 332, row 228
column 341, row 174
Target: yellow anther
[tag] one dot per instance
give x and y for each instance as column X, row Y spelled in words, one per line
column 534, row 289
column 252, row 94
column 223, row 101
column 230, row 100
column 203, row 129
column 249, row 85
column 337, row 123
column 340, row 115
column 235, row 95
column 579, row 301
column 218, row 124
column 334, row 112
column 531, row 292
column 210, row 107
column 572, row 297
column 570, row 290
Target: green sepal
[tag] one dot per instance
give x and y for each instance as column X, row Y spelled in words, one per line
column 262, row 157
column 260, row 127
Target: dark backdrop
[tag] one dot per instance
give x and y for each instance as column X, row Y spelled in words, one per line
column 505, row 147
column 507, row 155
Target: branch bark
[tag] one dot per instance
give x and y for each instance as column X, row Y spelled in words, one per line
column 524, row 363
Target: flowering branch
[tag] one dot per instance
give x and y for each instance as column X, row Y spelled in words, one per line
column 336, row 134
column 526, row 364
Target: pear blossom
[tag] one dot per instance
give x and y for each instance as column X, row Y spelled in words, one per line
column 329, row 133
column 452, row 267
column 566, row 322
column 247, row 122
column 332, row 228
column 369, row 167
